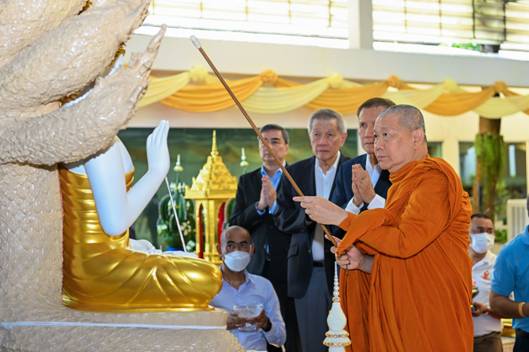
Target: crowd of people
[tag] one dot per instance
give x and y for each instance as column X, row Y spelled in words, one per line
column 409, row 248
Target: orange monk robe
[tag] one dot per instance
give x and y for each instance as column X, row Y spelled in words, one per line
column 418, row 295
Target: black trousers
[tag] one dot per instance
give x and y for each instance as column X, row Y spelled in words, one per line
column 521, row 344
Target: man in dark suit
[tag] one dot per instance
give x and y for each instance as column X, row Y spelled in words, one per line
column 362, row 174
column 310, row 262
column 255, row 205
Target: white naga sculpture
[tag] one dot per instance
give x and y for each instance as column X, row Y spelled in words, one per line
column 49, row 50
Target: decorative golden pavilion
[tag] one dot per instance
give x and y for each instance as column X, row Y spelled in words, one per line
column 211, row 191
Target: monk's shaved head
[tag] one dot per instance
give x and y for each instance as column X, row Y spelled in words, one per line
column 399, row 137
column 410, row 117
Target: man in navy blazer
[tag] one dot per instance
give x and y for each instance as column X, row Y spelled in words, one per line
column 310, row 262
column 370, row 182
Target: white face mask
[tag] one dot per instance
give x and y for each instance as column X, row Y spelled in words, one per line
column 482, row 242
column 237, row 261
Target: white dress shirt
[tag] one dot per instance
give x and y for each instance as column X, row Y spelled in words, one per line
column 254, row 290
column 324, row 181
column 482, row 278
column 378, row 201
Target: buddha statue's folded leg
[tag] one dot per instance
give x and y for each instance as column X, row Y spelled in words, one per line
column 124, row 280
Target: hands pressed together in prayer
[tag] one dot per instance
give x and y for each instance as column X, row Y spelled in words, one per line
column 363, row 190
column 268, row 194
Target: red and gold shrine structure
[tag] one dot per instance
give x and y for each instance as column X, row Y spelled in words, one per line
column 211, row 190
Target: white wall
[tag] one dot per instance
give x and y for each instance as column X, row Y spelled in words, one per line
column 178, row 54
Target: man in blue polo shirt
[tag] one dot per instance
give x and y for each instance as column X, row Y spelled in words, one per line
column 511, row 275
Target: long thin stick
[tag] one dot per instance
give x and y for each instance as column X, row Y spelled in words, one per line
column 197, row 45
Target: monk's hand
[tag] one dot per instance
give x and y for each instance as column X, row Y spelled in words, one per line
column 336, row 242
column 357, row 199
column 356, row 174
column 321, row 210
column 354, row 259
column 362, row 180
column 268, row 191
column 343, row 261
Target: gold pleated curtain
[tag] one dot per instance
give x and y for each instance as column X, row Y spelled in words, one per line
column 198, row 91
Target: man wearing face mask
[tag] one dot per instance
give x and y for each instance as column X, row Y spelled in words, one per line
column 487, row 326
column 240, row 288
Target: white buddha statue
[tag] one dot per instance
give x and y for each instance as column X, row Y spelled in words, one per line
column 103, row 269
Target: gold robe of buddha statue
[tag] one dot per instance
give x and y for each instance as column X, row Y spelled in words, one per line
column 100, row 272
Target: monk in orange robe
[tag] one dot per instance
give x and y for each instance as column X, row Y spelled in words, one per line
column 406, row 275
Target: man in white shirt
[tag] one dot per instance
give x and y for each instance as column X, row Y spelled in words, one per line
column 361, row 184
column 487, row 326
column 310, row 262
column 240, row 288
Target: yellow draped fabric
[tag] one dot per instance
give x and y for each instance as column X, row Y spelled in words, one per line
column 100, row 273
column 451, row 104
column 270, row 100
column 423, row 97
column 267, row 93
column 211, row 97
column 161, row 88
column 347, row 100
column 519, row 101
